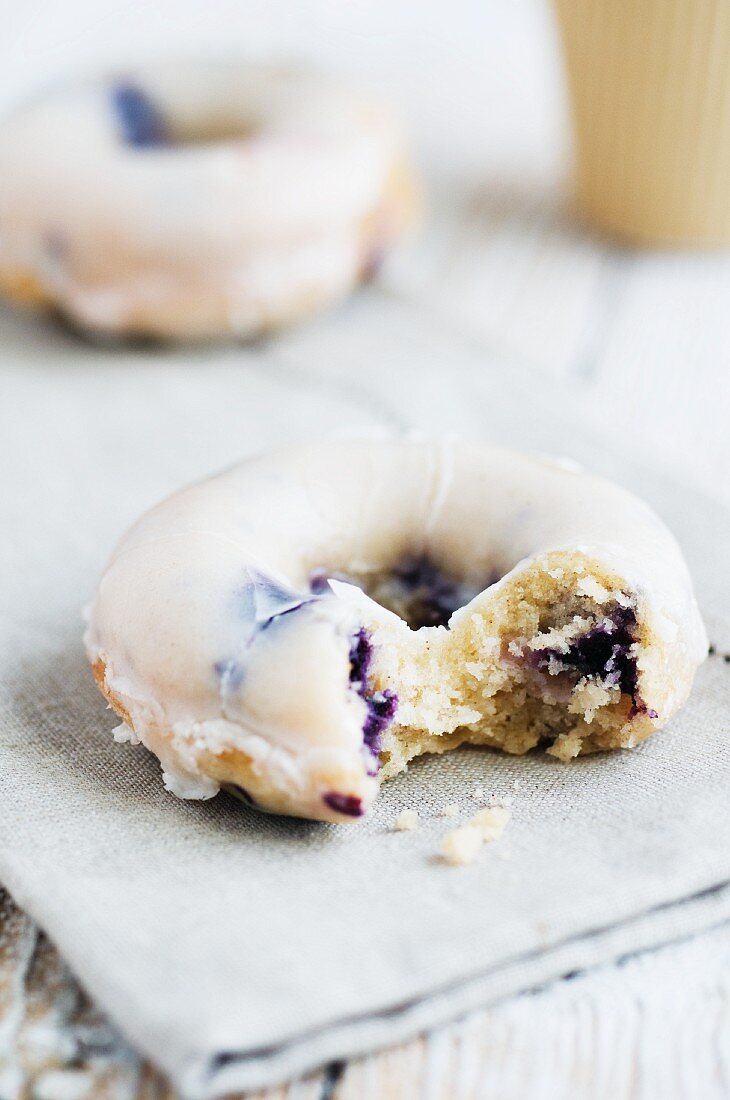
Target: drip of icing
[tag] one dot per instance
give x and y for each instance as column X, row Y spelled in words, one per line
column 258, row 603
column 263, row 598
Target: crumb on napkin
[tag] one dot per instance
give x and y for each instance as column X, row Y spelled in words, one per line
column 462, row 845
column 406, row 821
column 451, row 810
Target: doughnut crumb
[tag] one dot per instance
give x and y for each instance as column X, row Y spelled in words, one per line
column 461, row 846
column 492, row 822
column 406, row 821
column 450, row 810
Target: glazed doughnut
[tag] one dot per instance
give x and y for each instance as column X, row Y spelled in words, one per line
column 198, row 200
column 299, row 627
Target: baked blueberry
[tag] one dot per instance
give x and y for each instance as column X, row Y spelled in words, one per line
column 140, row 121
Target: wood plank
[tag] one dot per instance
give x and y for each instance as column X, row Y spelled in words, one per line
column 654, row 1026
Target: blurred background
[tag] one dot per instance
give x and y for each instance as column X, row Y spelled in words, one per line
column 638, row 339
column 479, row 76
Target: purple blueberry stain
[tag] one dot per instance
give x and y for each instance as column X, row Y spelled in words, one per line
column 605, row 652
column 348, row 804
column 229, row 673
column 381, row 705
column 361, row 655
column 319, row 582
column 139, row 119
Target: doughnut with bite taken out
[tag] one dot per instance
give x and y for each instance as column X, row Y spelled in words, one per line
column 299, row 627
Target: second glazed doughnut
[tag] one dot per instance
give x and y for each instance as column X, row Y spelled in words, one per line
column 198, row 200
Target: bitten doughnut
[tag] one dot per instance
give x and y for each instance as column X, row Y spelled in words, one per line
column 198, row 200
column 299, row 627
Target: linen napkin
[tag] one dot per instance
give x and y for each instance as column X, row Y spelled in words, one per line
column 237, row 949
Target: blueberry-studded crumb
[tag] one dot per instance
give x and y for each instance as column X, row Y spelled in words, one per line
column 347, row 804
column 139, row 119
column 605, row 652
column 381, row 705
column 361, row 655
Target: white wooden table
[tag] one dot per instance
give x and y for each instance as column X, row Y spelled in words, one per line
column 501, row 275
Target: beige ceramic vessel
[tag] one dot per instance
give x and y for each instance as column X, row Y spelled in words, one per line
column 650, row 88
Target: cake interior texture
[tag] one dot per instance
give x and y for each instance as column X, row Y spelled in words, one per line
column 555, row 656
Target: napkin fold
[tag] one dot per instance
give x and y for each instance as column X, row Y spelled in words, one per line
column 236, row 949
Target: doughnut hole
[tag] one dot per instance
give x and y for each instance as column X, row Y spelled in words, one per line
column 415, row 588
column 216, row 129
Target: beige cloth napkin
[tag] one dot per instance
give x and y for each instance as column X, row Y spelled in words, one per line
column 237, row 949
